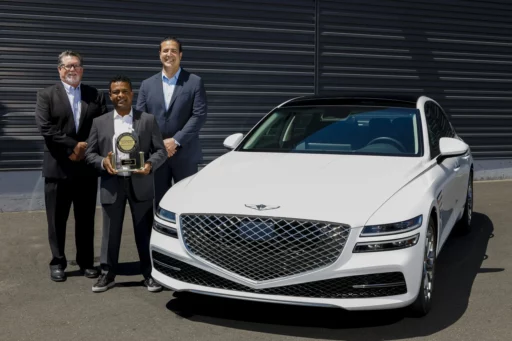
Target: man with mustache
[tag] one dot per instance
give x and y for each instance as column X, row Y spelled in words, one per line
column 64, row 115
column 177, row 99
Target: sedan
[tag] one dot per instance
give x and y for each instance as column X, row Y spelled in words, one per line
column 328, row 201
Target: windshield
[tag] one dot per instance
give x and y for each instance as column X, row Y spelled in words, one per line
column 359, row 130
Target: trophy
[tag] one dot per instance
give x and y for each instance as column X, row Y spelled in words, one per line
column 127, row 156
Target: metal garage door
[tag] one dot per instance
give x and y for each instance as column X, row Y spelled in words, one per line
column 458, row 52
column 255, row 54
column 252, row 56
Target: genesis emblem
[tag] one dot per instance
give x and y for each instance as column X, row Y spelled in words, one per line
column 262, row 207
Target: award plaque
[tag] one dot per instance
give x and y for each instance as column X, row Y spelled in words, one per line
column 127, row 156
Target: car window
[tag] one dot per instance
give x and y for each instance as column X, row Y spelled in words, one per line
column 446, row 127
column 434, row 128
column 438, row 126
column 338, row 130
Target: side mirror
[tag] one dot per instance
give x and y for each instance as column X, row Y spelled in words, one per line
column 233, row 140
column 450, row 147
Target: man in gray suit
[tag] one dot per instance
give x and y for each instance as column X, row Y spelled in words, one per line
column 117, row 187
column 177, row 99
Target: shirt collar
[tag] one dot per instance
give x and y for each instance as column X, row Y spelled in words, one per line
column 173, row 80
column 69, row 88
column 117, row 116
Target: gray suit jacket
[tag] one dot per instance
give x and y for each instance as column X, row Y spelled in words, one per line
column 185, row 116
column 99, row 144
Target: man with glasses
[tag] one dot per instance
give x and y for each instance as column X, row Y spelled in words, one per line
column 64, row 115
column 177, row 98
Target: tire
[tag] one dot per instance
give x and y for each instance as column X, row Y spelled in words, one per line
column 464, row 224
column 423, row 302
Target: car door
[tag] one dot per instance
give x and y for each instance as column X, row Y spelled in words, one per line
column 462, row 165
column 445, row 172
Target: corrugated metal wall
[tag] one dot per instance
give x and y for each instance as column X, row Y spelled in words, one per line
column 255, row 54
column 252, row 55
column 458, row 52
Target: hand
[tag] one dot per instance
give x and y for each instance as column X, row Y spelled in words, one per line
column 170, row 146
column 73, row 157
column 108, row 165
column 79, row 151
column 145, row 171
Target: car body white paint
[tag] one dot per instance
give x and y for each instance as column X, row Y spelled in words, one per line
column 357, row 190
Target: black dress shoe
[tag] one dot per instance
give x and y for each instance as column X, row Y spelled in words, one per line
column 90, row 273
column 57, row 275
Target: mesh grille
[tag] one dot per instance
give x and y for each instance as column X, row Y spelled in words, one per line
column 263, row 248
column 331, row 288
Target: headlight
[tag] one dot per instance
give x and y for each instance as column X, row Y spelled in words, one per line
column 166, row 215
column 169, row 217
column 394, row 228
column 387, row 245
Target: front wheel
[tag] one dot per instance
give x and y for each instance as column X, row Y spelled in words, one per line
column 423, row 303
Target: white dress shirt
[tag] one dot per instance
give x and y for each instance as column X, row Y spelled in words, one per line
column 122, row 124
column 75, row 97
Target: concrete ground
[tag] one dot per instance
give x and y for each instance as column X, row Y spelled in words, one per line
column 473, row 298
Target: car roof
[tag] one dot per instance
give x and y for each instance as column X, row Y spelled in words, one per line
column 408, row 101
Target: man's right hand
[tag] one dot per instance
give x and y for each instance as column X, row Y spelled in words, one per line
column 78, row 152
column 108, row 165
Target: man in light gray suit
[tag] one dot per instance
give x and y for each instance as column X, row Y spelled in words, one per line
column 177, row 99
column 117, row 187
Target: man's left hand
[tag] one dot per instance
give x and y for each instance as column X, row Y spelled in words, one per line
column 145, row 171
column 170, row 146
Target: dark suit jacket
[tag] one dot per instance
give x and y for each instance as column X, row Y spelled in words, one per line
column 184, row 117
column 54, row 118
column 100, row 144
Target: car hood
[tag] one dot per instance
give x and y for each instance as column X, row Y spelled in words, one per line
column 338, row 188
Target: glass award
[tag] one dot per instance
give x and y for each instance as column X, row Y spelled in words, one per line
column 127, row 156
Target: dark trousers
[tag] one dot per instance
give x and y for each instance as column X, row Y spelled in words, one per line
column 171, row 172
column 113, row 216
column 59, row 194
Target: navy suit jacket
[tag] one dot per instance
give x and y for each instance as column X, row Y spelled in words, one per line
column 185, row 116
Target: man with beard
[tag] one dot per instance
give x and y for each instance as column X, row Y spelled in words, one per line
column 64, row 115
column 177, row 99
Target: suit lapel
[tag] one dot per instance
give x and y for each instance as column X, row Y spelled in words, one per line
column 160, row 89
column 110, row 131
column 136, row 122
column 83, row 105
column 63, row 97
column 177, row 89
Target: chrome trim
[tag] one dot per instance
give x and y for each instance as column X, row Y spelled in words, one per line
column 384, row 285
column 247, row 281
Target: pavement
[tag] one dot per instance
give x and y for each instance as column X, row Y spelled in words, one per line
column 473, row 297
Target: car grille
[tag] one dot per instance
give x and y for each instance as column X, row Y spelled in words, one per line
column 365, row 286
column 263, row 248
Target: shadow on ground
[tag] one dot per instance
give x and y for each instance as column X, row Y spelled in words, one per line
column 458, row 264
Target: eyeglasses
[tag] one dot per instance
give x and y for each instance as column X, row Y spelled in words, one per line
column 69, row 67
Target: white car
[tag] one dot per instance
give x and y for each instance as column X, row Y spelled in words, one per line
column 338, row 202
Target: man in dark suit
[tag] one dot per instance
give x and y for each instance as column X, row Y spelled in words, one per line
column 177, row 99
column 118, row 186
column 64, row 115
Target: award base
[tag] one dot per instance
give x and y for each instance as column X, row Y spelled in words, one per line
column 132, row 164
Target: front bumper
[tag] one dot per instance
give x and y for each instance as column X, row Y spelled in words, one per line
column 181, row 272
